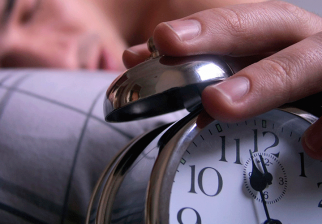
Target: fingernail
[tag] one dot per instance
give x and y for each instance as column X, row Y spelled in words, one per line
column 134, row 50
column 234, row 88
column 185, row 29
column 312, row 137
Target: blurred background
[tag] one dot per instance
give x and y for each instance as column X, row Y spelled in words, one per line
column 314, row 6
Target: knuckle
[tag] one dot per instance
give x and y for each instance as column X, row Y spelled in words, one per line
column 277, row 67
column 234, row 21
column 282, row 72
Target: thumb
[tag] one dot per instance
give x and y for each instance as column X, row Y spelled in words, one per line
column 312, row 140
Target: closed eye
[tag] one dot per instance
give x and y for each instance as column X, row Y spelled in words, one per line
column 29, row 12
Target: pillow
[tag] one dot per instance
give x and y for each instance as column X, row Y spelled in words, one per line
column 54, row 142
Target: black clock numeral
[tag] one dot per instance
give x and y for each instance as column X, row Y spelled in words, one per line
column 237, row 151
column 255, row 141
column 320, row 203
column 223, row 150
column 276, row 141
column 180, row 213
column 302, row 165
column 200, row 181
column 238, row 141
column 265, row 193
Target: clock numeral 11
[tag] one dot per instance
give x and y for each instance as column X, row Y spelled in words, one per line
column 223, row 150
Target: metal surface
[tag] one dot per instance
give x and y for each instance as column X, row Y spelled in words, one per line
column 111, row 188
column 163, row 84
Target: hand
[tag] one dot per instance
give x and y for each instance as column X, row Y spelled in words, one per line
column 259, row 181
column 291, row 37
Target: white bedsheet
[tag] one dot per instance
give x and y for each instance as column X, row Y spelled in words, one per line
column 54, row 143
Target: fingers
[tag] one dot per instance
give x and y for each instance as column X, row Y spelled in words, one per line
column 283, row 77
column 135, row 55
column 292, row 73
column 238, row 30
column 311, row 140
column 246, row 29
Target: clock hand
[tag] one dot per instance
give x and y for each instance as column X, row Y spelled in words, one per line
column 258, row 181
column 268, row 176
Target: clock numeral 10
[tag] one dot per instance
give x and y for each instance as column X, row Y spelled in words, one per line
column 200, row 181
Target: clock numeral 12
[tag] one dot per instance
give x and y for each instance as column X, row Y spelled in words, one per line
column 200, row 181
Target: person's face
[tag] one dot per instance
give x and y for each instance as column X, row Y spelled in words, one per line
column 58, row 33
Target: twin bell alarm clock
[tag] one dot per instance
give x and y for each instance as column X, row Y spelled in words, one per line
column 250, row 172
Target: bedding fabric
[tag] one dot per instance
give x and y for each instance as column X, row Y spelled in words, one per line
column 54, row 143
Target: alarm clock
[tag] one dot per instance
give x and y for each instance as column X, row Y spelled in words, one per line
column 253, row 171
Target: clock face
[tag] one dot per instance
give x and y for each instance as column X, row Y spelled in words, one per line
column 212, row 183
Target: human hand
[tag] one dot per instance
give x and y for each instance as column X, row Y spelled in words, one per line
column 292, row 37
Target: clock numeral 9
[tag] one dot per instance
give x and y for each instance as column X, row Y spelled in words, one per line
column 200, row 181
column 179, row 215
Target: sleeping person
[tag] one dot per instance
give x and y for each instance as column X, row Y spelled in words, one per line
column 54, row 142
column 86, row 34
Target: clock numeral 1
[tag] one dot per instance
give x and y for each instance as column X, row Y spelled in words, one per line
column 200, row 181
column 320, row 203
column 302, row 165
column 180, row 213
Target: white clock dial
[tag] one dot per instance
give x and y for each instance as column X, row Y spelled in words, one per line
column 211, row 184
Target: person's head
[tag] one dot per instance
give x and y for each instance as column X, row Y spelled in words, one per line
column 58, row 33
column 89, row 34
